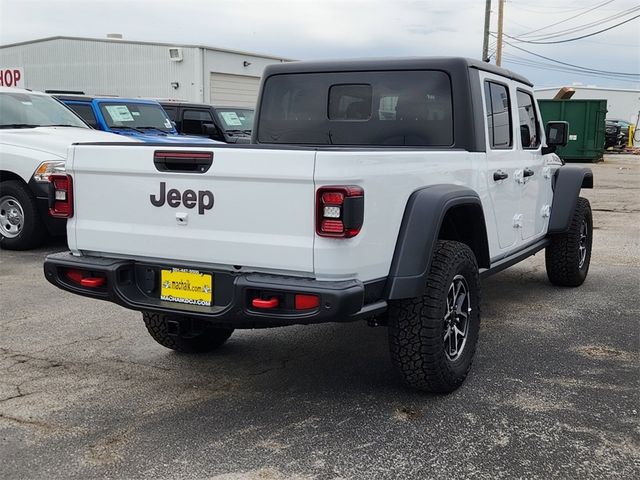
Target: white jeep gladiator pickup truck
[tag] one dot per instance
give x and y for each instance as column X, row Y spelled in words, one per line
column 373, row 189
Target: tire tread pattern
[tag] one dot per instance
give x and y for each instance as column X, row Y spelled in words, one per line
column 416, row 325
column 562, row 256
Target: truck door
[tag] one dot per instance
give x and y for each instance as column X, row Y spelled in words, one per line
column 535, row 181
column 503, row 163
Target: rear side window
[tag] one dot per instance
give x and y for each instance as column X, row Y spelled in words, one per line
column 395, row 108
column 529, row 126
column 498, row 107
column 85, row 112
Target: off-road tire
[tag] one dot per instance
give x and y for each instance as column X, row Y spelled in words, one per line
column 563, row 255
column 205, row 340
column 417, row 326
column 33, row 230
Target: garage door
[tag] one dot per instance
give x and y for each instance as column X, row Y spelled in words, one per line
column 234, row 90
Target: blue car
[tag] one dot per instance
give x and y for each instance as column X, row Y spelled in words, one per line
column 144, row 120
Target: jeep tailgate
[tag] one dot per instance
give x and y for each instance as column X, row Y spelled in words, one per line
column 251, row 208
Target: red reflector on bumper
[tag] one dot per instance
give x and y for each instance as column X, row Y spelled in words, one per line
column 74, row 275
column 307, row 302
column 266, row 304
column 93, row 282
column 78, row 277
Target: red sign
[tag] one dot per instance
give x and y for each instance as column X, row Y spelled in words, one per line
column 11, row 77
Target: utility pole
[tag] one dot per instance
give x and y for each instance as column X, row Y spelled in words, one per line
column 500, row 20
column 487, row 25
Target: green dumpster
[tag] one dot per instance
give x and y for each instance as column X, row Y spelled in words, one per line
column 586, row 127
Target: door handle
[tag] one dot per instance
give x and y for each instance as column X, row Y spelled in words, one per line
column 528, row 173
column 500, row 175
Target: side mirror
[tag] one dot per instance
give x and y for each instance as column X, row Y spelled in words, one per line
column 210, row 130
column 557, row 136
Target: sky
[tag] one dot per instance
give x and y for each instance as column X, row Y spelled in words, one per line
column 323, row 29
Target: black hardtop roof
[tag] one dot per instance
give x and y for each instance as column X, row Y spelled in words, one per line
column 449, row 64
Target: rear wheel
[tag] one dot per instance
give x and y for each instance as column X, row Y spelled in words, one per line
column 184, row 334
column 21, row 227
column 433, row 337
column 568, row 257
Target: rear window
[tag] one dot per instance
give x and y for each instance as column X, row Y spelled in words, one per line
column 397, row 108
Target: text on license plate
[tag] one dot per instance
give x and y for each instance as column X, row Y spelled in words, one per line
column 186, row 286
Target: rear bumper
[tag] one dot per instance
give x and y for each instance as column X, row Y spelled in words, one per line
column 136, row 285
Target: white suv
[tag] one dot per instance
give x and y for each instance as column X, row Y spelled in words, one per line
column 35, row 132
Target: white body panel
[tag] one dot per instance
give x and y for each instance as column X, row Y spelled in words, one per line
column 388, row 179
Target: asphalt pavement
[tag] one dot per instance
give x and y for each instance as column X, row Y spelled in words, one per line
column 553, row 393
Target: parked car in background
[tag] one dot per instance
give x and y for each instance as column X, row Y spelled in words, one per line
column 225, row 124
column 616, row 133
column 623, row 127
column 35, row 132
column 139, row 118
column 612, row 134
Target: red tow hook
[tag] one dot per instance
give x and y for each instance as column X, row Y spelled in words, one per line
column 92, row 282
column 265, row 304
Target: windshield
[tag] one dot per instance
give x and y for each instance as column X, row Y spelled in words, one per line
column 136, row 116
column 25, row 110
column 236, row 118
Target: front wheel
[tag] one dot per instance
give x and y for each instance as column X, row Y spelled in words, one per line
column 568, row 256
column 21, row 227
column 432, row 338
column 184, row 334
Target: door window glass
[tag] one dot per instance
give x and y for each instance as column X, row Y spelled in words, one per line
column 498, row 107
column 193, row 121
column 529, row 129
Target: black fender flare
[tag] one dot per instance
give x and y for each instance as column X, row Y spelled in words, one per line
column 567, row 183
column 424, row 213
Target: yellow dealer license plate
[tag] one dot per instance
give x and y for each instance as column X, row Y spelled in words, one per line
column 186, row 286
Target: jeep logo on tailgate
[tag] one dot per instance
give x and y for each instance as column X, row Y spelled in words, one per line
column 204, row 198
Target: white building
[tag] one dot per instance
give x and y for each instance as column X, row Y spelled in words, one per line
column 111, row 66
column 622, row 103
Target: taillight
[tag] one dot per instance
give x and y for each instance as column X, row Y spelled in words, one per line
column 60, row 196
column 339, row 211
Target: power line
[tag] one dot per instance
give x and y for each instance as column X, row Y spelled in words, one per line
column 550, row 9
column 584, row 74
column 569, row 64
column 586, row 26
column 569, row 18
column 552, row 67
column 574, row 38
